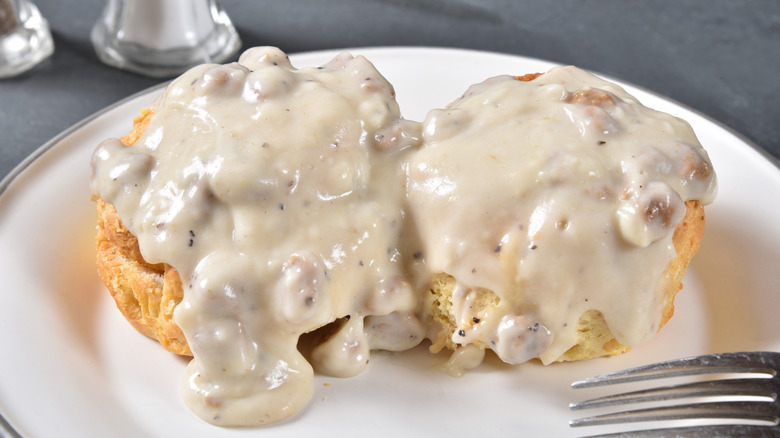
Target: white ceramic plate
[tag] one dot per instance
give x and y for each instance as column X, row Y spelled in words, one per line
column 71, row 365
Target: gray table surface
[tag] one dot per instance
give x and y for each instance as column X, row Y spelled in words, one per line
column 719, row 57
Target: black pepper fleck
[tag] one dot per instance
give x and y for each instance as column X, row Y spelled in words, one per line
column 498, row 248
column 360, row 263
column 476, row 320
column 417, row 255
column 601, row 142
column 281, row 206
column 462, row 332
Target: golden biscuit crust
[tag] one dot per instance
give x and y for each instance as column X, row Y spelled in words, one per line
column 145, row 293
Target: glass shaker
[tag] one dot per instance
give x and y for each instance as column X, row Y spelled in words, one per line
column 163, row 38
column 25, row 39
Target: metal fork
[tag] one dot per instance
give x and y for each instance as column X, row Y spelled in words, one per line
column 765, row 383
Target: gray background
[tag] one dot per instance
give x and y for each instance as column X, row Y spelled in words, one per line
column 720, row 57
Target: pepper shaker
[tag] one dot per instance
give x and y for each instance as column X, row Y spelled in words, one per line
column 25, row 39
column 163, row 38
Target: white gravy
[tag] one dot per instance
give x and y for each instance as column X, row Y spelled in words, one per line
column 288, row 199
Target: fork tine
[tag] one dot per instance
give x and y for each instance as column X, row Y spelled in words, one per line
column 719, row 431
column 748, row 410
column 746, row 387
column 745, row 362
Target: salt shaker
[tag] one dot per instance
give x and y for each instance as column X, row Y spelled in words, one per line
column 25, row 39
column 163, row 38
